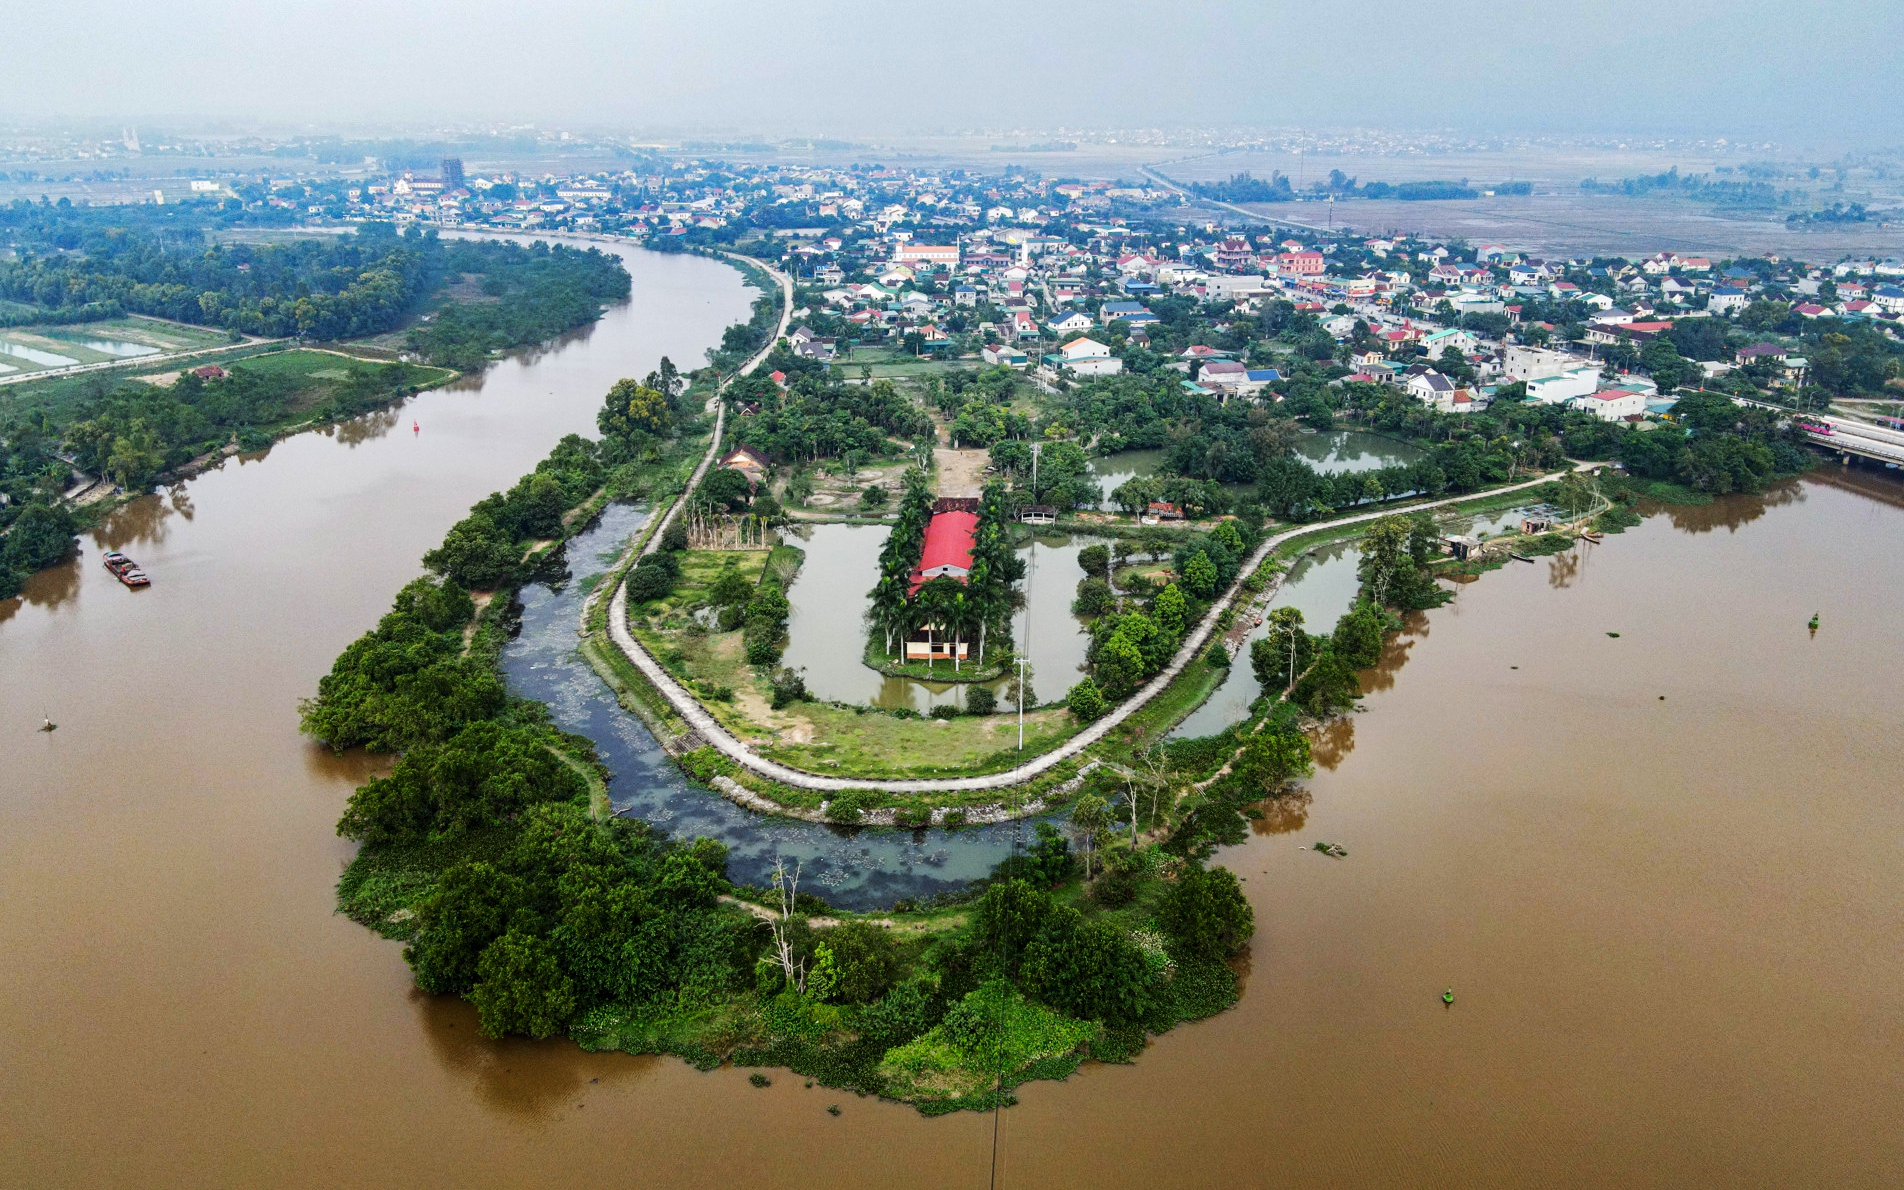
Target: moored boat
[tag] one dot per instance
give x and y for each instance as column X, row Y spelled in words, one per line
column 126, row 570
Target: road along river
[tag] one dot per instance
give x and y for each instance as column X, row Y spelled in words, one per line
column 1672, row 926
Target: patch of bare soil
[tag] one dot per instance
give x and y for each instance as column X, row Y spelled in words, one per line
column 961, row 472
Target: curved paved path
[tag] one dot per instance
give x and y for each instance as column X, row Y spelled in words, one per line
column 720, row 406
column 709, row 729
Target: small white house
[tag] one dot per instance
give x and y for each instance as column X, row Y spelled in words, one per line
column 1612, row 404
column 1088, row 357
column 1071, row 320
column 1430, row 388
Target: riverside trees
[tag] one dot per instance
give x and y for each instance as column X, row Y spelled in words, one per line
column 330, row 287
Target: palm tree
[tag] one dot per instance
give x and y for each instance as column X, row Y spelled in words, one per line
column 932, row 607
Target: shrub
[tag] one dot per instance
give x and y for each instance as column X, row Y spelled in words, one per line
column 850, row 805
column 980, row 700
column 1205, row 914
column 1094, row 598
column 649, row 583
column 1087, row 969
column 788, row 687
column 954, row 820
column 945, row 711
column 675, row 536
column 865, row 961
column 1096, row 560
column 1117, row 887
column 1086, row 702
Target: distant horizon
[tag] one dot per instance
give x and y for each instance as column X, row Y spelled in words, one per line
column 1228, row 138
column 1695, row 69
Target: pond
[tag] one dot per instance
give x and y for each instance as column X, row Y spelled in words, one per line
column 855, row 869
column 1113, row 471
column 1336, row 450
column 827, row 629
column 118, row 348
column 46, row 359
column 1354, row 450
column 1321, row 585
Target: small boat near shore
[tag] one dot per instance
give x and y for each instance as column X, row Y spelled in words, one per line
column 126, row 570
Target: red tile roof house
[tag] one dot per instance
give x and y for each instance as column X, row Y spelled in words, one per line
column 946, row 553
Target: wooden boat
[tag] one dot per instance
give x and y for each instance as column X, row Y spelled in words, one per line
column 1520, row 557
column 126, row 570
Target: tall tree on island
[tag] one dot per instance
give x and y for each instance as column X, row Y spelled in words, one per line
column 995, row 565
column 898, row 556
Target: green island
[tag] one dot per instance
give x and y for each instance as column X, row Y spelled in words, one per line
column 491, row 851
column 226, row 350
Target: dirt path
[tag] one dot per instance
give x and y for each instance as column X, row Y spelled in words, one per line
column 960, row 472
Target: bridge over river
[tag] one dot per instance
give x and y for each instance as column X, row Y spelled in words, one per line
column 1844, row 436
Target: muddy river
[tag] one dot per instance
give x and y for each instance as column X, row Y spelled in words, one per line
column 1672, row 924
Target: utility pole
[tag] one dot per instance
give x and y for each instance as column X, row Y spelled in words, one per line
column 1031, row 571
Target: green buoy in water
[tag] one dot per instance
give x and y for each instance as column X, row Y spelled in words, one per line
column 1447, row 997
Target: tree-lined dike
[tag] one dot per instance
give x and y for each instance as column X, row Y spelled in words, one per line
column 1187, row 1067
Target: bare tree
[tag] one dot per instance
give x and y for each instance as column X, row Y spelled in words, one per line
column 1153, row 778
column 786, row 884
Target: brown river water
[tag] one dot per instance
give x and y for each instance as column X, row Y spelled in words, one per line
column 1674, row 927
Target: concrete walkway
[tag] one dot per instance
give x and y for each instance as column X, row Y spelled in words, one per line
column 710, row 730
column 720, row 406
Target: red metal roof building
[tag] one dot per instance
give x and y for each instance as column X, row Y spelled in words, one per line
column 948, row 548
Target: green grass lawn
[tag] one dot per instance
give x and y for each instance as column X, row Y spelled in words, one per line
column 850, row 743
column 889, row 363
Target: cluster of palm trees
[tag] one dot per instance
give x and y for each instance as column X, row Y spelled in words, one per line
column 945, row 606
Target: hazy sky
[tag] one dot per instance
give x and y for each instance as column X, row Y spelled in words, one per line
column 1798, row 70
